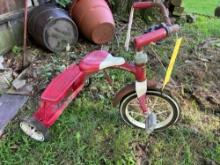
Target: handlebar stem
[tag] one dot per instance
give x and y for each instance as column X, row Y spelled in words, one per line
column 163, row 9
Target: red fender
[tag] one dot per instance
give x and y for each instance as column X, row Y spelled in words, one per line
column 129, row 89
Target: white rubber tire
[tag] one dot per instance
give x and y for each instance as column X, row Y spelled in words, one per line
column 173, row 116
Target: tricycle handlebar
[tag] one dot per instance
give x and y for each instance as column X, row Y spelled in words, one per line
column 146, row 5
column 155, row 35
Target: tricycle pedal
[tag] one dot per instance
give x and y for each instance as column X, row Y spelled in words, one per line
column 151, row 122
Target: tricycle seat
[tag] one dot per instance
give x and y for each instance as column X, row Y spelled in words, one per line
column 98, row 60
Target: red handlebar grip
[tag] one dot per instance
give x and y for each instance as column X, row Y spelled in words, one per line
column 147, row 38
column 142, row 5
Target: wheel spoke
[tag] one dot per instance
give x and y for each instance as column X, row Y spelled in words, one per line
column 162, row 112
column 134, row 107
column 139, row 117
column 136, row 113
column 155, row 103
column 134, row 104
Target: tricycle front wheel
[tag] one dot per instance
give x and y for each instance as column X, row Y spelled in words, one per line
column 163, row 105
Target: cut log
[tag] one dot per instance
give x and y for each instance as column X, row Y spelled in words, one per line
column 178, row 11
column 177, row 3
column 190, row 18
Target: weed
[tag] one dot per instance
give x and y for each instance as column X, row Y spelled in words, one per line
column 51, row 69
column 63, row 3
column 16, row 50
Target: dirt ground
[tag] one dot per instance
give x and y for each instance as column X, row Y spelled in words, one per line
column 200, row 74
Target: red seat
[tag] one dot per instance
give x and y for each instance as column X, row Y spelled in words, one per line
column 91, row 62
column 98, row 60
column 58, row 87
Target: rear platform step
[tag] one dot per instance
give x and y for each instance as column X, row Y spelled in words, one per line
column 61, row 84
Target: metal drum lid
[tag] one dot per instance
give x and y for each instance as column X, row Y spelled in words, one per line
column 59, row 33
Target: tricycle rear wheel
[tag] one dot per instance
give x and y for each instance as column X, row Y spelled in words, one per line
column 34, row 129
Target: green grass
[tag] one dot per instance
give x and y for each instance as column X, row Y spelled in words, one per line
column 207, row 26
column 90, row 131
column 201, row 7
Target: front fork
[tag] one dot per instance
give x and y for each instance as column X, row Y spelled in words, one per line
column 141, row 80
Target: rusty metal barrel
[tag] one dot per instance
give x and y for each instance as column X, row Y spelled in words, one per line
column 52, row 28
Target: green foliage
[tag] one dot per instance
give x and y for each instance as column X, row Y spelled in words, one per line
column 213, row 152
column 208, row 27
column 51, row 69
column 16, row 50
column 63, row 3
column 112, row 2
column 202, row 7
column 117, row 6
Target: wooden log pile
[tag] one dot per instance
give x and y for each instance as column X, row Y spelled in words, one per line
column 175, row 7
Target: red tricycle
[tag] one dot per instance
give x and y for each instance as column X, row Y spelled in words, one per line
column 141, row 104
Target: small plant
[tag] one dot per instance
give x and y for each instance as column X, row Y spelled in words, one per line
column 53, row 68
column 63, row 3
column 16, row 50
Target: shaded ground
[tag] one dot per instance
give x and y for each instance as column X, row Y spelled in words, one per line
column 201, row 72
